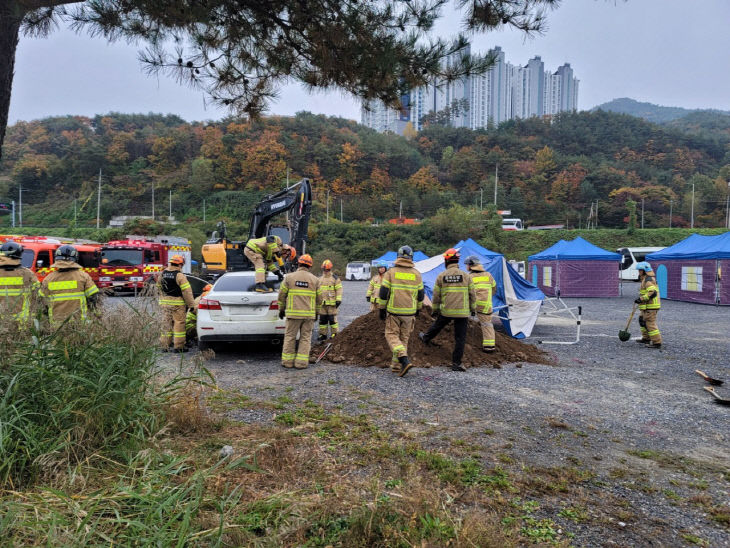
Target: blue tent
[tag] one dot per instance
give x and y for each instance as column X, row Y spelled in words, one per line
column 390, row 257
column 523, row 298
column 696, row 247
column 575, row 250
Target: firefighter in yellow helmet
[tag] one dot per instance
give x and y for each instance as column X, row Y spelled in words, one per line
column 374, row 287
column 299, row 299
column 191, row 318
column 649, row 304
column 265, row 255
column 176, row 297
column 454, row 300
column 484, row 286
column 400, row 301
column 17, row 284
column 69, row 291
column 331, row 287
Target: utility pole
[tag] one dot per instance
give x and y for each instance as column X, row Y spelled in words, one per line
column 692, row 218
column 74, row 212
column 287, row 177
column 170, row 215
column 20, row 205
column 153, row 200
column 400, row 211
column 671, row 203
column 13, row 223
column 596, row 214
column 328, row 208
column 98, row 200
column 642, row 213
column 496, row 182
column 342, row 217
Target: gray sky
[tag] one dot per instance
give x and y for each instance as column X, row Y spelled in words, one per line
column 669, row 52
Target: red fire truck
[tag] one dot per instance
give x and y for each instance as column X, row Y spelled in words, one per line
column 127, row 265
column 38, row 254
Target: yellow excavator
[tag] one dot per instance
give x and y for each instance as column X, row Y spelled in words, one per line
column 222, row 255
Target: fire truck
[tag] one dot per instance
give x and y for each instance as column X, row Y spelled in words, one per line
column 128, row 265
column 38, row 254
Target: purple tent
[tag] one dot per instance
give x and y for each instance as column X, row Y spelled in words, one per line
column 576, row 269
column 692, row 270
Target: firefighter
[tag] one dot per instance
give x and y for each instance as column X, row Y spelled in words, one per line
column 374, row 288
column 68, row 290
column 265, row 254
column 649, row 304
column 484, row 287
column 454, row 299
column 17, row 284
column 331, row 287
column 400, row 300
column 191, row 318
column 299, row 299
column 176, row 298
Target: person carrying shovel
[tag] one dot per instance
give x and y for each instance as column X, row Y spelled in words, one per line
column 649, row 304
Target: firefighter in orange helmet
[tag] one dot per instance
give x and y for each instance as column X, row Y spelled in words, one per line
column 176, row 297
column 331, row 287
column 374, row 287
column 299, row 299
column 484, row 286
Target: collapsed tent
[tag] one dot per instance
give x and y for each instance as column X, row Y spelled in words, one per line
column 575, row 268
column 390, row 256
column 692, row 270
column 516, row 301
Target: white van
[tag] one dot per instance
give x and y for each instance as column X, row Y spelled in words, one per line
column 357, row 271
column 630, row 257
column 512, row 224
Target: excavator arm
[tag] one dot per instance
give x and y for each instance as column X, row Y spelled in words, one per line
column 297, row 202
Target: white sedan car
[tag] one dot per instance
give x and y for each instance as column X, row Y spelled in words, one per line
column 234, row 312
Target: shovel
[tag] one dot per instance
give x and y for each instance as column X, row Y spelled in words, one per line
column 625, row 335
column 714, row 382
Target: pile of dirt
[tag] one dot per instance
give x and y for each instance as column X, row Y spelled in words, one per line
column 363, row 343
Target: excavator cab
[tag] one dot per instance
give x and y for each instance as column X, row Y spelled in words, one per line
column 221, row 255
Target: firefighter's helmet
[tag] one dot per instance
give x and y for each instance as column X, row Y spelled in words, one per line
column 405, row 252
column 207, row 288
column 306, row 260
column 178, row 260
column 327, row 264
column 452, row 255
column 381, row 264
column 274, row 240
column 67, row 253
column 472, row 260
column 643, row 265
column 11, row 250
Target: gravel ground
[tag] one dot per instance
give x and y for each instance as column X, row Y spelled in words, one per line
column 603, row 401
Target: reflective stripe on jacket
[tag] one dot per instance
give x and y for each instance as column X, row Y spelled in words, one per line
column 648, row 284
column 174, row 288
column 269, row 252
column 67, row 290
column 453, row 293
column 374, row 288
column 401, row 293
column 484, row 287
column 331, row 288
column 17, row 284
column 300, row 295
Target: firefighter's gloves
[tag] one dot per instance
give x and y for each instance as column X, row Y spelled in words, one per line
column 337, row 304
column 638, row 301
column 418, row 312
column 435, row 315
column 282, row 313
column 473, row 313
column 367, row 299
column 279, row 275
column 191, row 310
column 382, row 313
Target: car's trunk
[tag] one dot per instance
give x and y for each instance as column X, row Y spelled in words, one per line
column 241, row 306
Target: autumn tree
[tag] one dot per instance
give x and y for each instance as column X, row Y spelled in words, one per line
column 239, row 51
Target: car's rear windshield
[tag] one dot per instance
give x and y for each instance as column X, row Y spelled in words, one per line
column 356, row 265
column 242, row 283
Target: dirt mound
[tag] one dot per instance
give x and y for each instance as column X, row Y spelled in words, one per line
column 363, row 343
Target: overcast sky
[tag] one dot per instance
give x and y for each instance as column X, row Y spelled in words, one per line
column 669, row 52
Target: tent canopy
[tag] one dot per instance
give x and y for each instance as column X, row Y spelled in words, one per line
column 575, row 250
column 696, row 247
column 523, row 298
column 390, row 257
